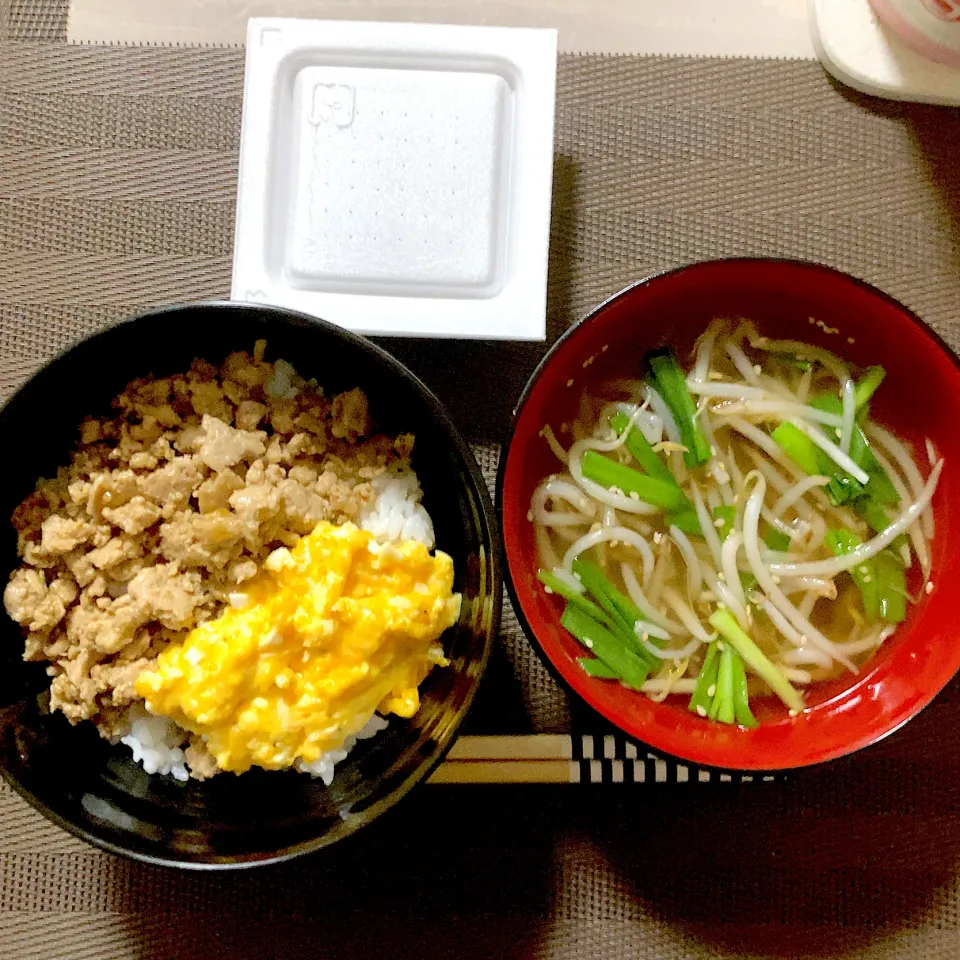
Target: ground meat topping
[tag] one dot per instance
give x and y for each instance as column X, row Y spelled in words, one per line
column 167, row 507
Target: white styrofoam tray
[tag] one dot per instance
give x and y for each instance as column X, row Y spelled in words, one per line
column 396, row 178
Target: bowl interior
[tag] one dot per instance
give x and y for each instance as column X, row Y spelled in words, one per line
column 95, row 789
column 920, row 398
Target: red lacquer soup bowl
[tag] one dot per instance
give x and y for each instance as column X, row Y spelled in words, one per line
column 920, row 398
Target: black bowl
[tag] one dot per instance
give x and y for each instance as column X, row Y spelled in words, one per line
column 96, row 791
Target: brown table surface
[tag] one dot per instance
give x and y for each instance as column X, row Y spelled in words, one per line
column 117, row 169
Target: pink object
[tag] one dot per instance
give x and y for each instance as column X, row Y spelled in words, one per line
column 930, row 27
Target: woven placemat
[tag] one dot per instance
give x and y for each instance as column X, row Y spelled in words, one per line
column 117, row 170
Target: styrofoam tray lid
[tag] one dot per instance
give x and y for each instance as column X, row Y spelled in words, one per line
column 396, row 178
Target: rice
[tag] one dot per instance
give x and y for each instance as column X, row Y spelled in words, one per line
column 323, row 767
column 283, row 383
column 157, row 743
column 394, row 513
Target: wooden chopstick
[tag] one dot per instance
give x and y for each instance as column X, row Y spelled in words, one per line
column 539, row 758
column 566, row 758
column 543, row 746
column 508, row 771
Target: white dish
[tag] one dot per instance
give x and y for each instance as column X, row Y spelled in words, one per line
column 855, row 47
column 396, row 178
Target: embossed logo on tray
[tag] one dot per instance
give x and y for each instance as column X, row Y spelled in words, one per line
column 333, row 104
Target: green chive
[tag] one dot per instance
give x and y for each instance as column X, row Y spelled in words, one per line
column 687, row 521
column 798, row 447
column 707, row 678
column 724, row 623
column 640, row 448
column 741, row 700
column 724, row 695
column 608, row 473
column 606, row 646
column 671, row 384
column 777, row 540
column 726, row 514
column 867, row 386
column 597, row 668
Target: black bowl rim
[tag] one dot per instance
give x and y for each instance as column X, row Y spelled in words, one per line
column 531, row 635
column 490, row 533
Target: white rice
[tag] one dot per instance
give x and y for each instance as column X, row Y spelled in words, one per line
column 394, row 513
column 323, row 767
column 284, row 383
column 156, row 742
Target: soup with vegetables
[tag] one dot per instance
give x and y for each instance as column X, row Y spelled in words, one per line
column 739, row 528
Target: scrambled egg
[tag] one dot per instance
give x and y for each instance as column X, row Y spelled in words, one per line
column 327, row 633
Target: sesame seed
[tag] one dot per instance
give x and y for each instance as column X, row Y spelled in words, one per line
column 757, row 368
column 867, row 579
column 701, row 711
column 864, row 569
column 793, row 713
column 719, row 523
column 811, row 319
column 605, row 348
column 547, row 590
column 838, row 432
column 928, row 589
column 850, row 340
column 588, row 643
column 711, row 690
column 721, row 578
column 530, row 516
column 570, row 383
